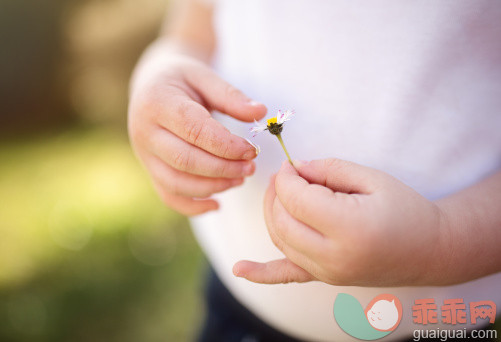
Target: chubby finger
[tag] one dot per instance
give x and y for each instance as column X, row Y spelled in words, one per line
column 222, row 96
column 183, row 184
column 299, row 252
column 269, row 198
column 340, row 175
column 305, row 240
column 287, row 229
column 185, row 205
column 315, row 205
column 190, row 121
column 188, row 158
column 280, row 271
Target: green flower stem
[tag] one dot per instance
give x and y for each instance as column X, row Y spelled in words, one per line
column 285, row 150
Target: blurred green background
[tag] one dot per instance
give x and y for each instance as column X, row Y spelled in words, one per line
column 87, row 250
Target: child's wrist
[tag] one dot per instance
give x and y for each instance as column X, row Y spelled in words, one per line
column 176, row 46
column 450, row 227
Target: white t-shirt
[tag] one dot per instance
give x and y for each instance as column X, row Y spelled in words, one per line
column 412, row 88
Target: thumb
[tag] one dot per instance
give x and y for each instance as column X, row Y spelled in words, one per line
column 222, row 96
column 279, row 271
column 340, row 175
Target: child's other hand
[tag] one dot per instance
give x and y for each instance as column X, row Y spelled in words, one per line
column 189, row 154
column 346, row 224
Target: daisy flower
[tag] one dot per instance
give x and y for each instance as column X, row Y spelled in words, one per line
column 275, row 126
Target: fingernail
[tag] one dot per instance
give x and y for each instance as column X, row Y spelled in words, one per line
column 256, row 147
column 254, row 103
column 299, row 163
column 236, row 271
column 248, row 169
column 285, row 164
column 249, row 155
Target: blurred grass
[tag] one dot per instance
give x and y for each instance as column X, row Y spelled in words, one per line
column 87, row 251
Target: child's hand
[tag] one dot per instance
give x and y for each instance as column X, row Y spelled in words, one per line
column 346, row 224
column 189, row 154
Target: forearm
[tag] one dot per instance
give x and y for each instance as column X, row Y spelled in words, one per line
column 472, row 231
column 187, row 32
column 188, row 28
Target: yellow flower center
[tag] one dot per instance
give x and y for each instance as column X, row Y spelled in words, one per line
column 272, row 120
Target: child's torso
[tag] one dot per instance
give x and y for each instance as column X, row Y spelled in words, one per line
column 411, row 88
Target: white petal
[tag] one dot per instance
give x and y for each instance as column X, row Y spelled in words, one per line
column 258, row 128
column 284, row 116
column 280, row 117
